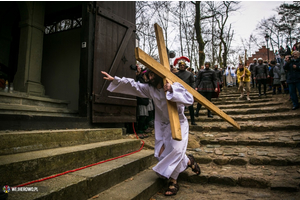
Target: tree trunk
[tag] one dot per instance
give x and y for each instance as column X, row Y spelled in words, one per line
column 225, row 55
column 199, row 34
column 220, row 60
column 180, row 27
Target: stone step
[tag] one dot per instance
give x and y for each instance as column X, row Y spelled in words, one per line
column 246, row 104
column 243, row 155
column 271, row 138
column 269, row 96
column 86, row 183
column 23, row 167
column 18, row 98
column 141, row 186
column 284, row 178
column 253, row 117
column 10, row 109
column 231, row 90
column 190, row 190
column 39, row 122
column 255, row 126
column 237, row 94
column 247, row 111
column 24, row 141
column 237, row 101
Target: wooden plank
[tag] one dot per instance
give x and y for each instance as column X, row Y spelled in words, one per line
column 156, row 67
column 172, row 106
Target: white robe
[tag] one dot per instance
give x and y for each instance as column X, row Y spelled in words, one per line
column 173, row 160
column 230, row 76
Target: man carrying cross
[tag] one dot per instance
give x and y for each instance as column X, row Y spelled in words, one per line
column 169, row 152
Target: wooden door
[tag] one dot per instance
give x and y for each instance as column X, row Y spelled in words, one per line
column 113, row 53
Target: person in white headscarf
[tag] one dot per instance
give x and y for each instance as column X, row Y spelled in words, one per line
column 230, row 74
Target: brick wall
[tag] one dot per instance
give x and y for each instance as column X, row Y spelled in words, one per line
column 261, row 53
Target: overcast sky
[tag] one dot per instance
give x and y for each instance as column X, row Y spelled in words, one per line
column 246, row 19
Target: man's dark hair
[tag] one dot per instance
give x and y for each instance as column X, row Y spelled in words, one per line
column 157, row 79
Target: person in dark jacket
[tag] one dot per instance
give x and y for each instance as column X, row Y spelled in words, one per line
column 189, row 79
column 219, row 76
column 206, row 84
column 292, row 67
column 276, row 77
column 261, row 73
column 288, row 51
column 251, row 69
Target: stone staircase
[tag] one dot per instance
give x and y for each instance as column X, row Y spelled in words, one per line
column 31, row 155
column 19, row 103
column 262, row 160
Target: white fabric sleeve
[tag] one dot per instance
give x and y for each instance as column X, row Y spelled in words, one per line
column 180, row 95
column 129, row 86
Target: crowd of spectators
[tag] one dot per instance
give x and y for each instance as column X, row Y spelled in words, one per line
column 281, row 73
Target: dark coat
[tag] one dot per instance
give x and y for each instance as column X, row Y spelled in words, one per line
column 293, row 75
column 141, row 101
column 206, row 80
column 219, row 75
column 251, row 67
column 261, row 71
column 276, row 72
column 187, row 77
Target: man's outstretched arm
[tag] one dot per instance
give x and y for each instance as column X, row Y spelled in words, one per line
column 126, row 86
column 107, row 76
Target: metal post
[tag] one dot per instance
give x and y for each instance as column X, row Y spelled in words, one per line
column 267, row 39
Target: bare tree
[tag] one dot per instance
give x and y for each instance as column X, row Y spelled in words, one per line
column 271, row 27
column 198, row 30
column 162, row 9
column 289, row 21
column 225, row 34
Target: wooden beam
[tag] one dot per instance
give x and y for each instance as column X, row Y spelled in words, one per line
column 160, row 70
column 172, row 106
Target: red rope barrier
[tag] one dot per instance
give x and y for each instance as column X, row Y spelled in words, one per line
column 74, row 170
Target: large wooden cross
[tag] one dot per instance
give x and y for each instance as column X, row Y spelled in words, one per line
column 163, row 70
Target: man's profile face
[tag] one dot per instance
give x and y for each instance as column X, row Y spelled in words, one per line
column 255, row 61
column 241, row 66
column 216, row 66
column 207, row 66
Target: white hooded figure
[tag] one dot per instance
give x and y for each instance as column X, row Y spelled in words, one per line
column 233, row 73
column 230, row 75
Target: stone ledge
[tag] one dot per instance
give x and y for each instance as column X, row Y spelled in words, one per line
column 24, row 141
column 88, row 182
column 24, row 167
